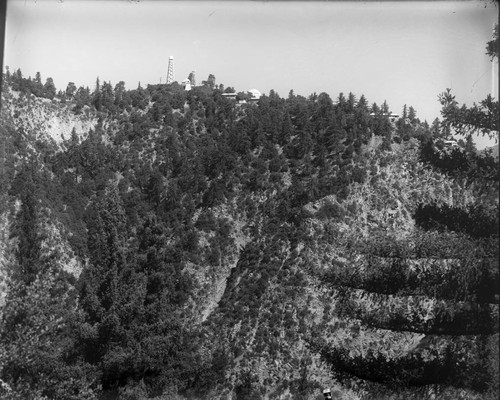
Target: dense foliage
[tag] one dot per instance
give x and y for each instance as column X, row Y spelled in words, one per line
column 173, row 192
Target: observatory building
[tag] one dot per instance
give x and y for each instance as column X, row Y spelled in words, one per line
column 255, row 94
column 187, row 84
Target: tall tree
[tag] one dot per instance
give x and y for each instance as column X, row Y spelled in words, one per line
column 482, row 118
column 385, row 107
column 70, row 90
column 211, row 81
column 120, row 98
column 49, row 89
column 38, row 78
column 412, row 114
column 82, row 98
column 37, row 87
column 26, row 228
column 107, row 96
column 362, row 103
column 99, row 280
column 493, row 46
column 351, row 102
column 96, row 96
column 405, row 112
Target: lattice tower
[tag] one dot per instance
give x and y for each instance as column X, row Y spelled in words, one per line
column 170, row 73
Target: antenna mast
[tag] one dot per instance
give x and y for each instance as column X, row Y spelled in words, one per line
column 170, row 73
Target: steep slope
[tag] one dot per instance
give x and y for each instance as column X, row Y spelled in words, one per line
column 5, row 254
column 208, row 249
column 324, row 295
column 44, row 119
column 422, row 301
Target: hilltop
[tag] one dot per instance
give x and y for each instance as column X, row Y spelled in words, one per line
column 171, row 244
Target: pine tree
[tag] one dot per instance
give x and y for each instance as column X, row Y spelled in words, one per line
column 96, row 97
column 70, row 90
column 482, row 118
column 362, row 103
column 106, row 228
column 412, row 114
column 49, row 89
column 385, row 107
column 27, row 229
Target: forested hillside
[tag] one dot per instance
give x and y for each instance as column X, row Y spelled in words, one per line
column 170, row 244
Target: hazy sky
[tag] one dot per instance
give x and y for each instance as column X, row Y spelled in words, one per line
column 402, row 52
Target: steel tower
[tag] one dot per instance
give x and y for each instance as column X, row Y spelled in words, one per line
column 170, row 73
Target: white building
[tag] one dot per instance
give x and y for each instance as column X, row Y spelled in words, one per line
column 187, row 84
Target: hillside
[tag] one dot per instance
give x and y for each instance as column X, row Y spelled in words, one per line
column 170, row 244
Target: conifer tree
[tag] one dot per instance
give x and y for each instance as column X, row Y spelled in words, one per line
column 362, row 103
column 49, row 89
column 70, row 90
column 96, row 96
column 482, row 118
column 412, row 114
column 27, row 229
column 106, row 228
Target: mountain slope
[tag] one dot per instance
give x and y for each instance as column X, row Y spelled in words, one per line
column 210, row 249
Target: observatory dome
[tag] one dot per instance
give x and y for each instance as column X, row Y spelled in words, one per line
column 255, row 93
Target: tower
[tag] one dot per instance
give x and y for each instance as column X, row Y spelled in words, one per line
column 170, row 73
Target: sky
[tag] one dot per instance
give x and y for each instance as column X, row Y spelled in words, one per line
column 402, row 52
